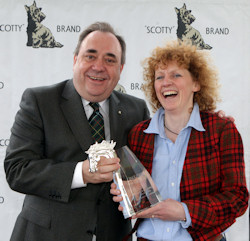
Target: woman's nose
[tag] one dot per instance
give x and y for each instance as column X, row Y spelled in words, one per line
column 167, row 80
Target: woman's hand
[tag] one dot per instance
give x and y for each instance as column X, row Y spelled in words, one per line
column 168, row 209
column 114, row 191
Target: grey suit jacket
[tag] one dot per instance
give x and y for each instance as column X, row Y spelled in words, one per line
column 49, row 137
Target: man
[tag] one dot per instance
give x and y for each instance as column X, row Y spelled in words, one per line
column 46, row 157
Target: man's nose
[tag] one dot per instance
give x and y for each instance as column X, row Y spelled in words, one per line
column 98, row 65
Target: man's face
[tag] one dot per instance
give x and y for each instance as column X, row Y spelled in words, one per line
column 97, row 67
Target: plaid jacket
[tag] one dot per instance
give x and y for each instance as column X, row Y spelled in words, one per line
column 213, row 182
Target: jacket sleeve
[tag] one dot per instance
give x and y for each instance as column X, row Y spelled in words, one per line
column 226, row 195
column 28, row 169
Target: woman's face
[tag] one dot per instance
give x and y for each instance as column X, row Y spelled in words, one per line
column 175, row 88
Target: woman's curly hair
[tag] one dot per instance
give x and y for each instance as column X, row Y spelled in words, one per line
column 185, row 55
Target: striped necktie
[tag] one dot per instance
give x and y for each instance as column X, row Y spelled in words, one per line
column 97, row 124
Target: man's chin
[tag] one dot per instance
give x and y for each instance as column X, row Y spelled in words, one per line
column 97, row 96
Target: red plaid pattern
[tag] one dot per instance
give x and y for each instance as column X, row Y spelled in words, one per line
column 213, row 182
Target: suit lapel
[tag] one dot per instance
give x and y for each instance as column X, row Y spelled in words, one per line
column 74, row 113
column 117, row 115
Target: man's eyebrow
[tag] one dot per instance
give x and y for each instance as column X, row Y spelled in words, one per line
column 94, row 51
column 111, row 55
column 91, row 51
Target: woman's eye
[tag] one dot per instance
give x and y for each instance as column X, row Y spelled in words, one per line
column 177, row 75
column 158, row 77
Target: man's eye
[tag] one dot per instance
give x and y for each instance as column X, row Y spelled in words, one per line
column 110, row 61
column 89, row 57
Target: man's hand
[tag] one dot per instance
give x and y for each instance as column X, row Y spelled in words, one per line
column 105, row 166
column 222, row 114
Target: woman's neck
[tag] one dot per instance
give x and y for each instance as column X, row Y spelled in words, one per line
column 174, row 123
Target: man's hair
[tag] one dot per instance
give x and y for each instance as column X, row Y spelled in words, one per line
column 102, row 27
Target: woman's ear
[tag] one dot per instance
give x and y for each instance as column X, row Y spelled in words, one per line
column 196, row 86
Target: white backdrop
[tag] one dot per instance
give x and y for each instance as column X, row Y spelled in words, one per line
column 223, row 24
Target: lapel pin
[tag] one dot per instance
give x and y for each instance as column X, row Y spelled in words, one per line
column 119, row 112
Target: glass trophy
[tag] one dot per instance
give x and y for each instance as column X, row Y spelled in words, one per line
column 135, row 183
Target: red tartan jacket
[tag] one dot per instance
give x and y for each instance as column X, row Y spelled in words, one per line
column 213, row 183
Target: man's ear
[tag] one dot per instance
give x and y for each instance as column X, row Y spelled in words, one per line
column 121, row 68
column 75, row 59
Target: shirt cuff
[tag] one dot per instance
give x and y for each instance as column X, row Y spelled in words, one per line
column 188, row 222
column 77, row 181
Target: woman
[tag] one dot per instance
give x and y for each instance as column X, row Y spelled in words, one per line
column 195, row 157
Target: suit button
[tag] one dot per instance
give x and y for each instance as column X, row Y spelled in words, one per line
column 90, row 232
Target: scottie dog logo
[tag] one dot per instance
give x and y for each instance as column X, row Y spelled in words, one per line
column 39, row 36
column 185, row 32
column 120, row 88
